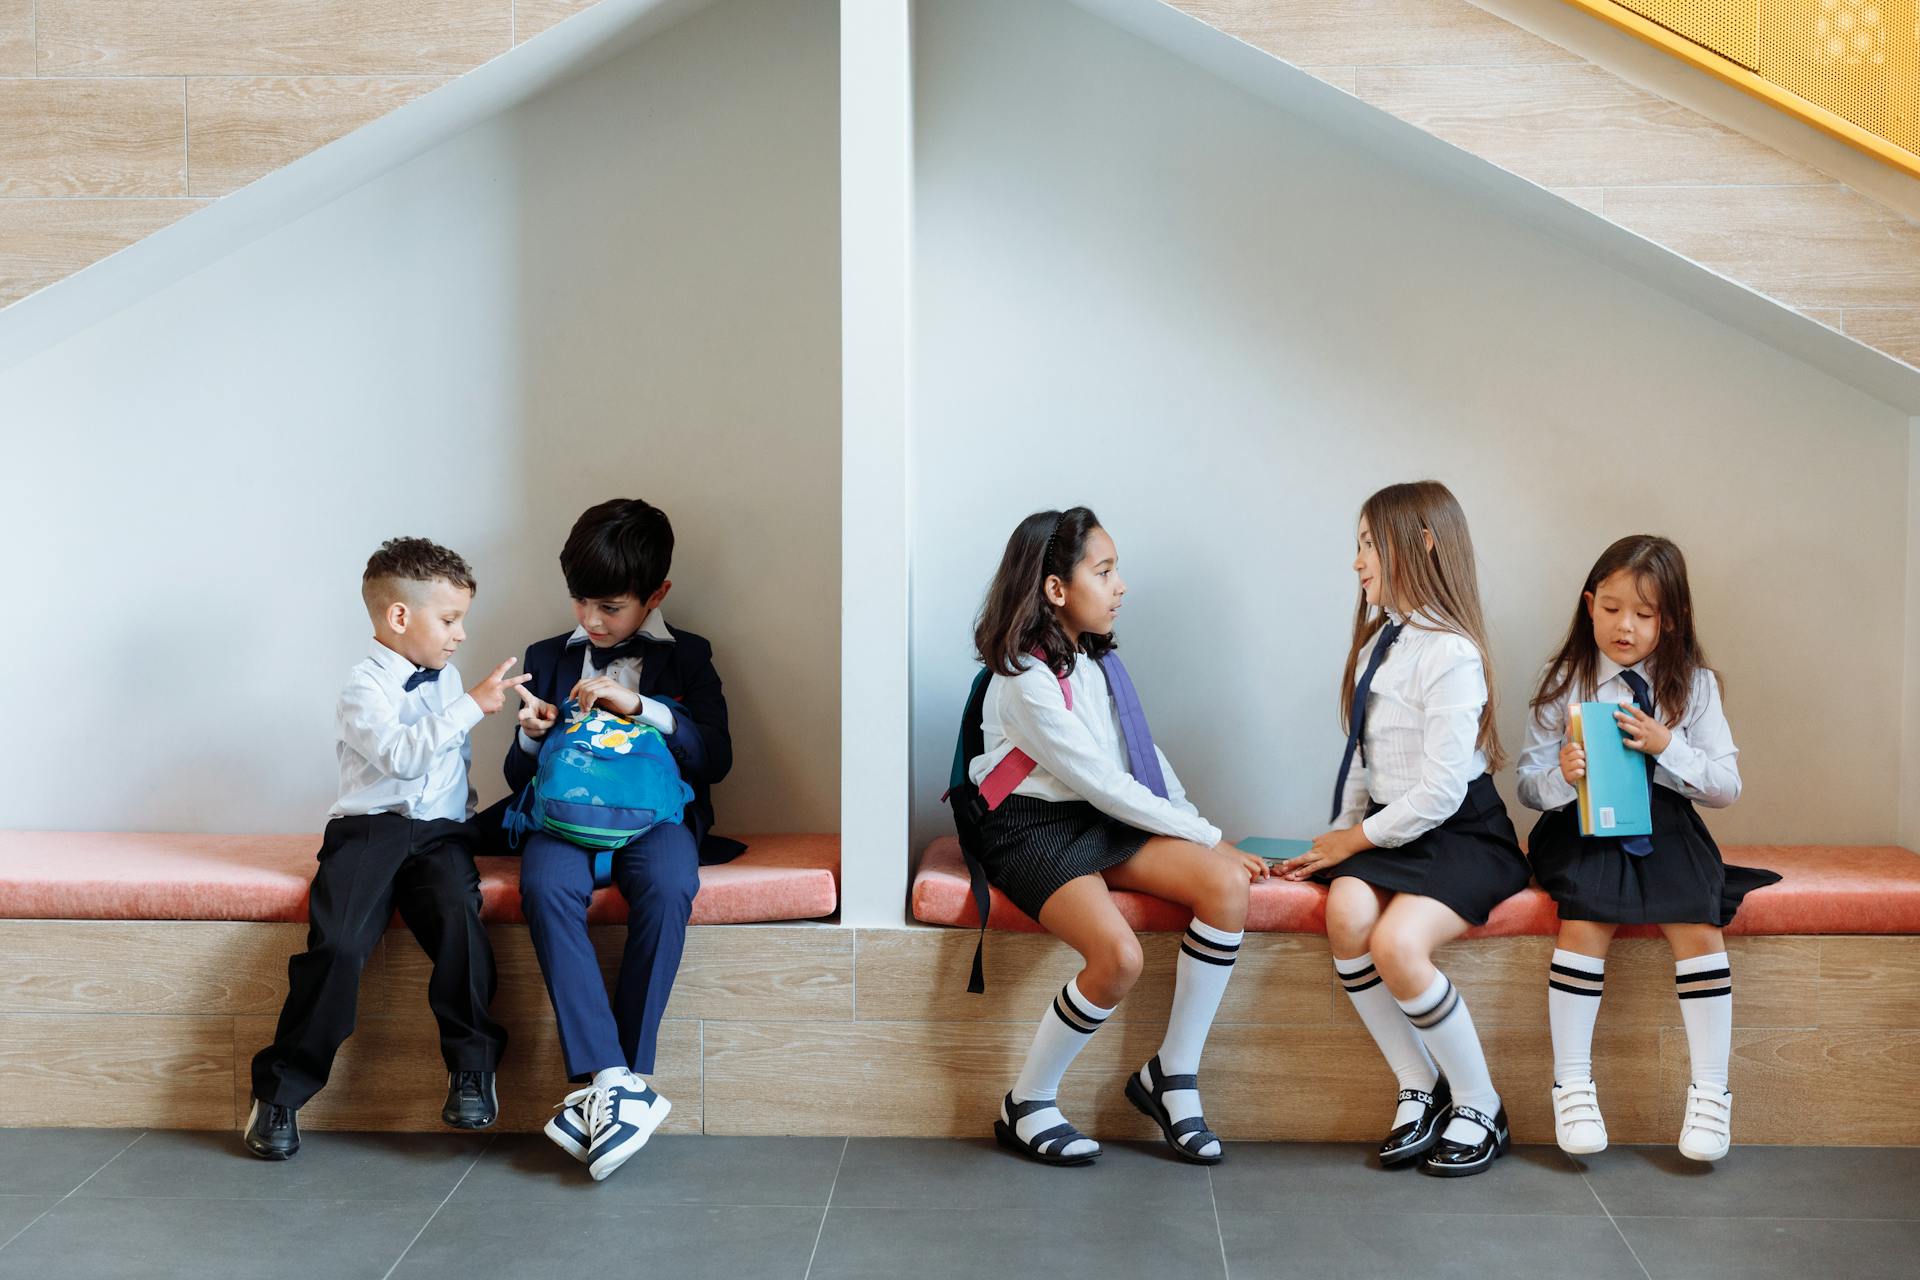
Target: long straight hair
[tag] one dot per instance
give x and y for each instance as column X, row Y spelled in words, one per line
column 1660, row 572
column 1017, row 619
column 1441, row 585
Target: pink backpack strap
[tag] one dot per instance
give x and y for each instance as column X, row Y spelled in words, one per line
column 1016, row 764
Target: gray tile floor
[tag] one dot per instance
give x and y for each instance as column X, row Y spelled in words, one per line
column 114, row 1203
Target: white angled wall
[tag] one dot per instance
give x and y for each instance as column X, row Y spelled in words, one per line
column 626, row 287
column 1139, row 289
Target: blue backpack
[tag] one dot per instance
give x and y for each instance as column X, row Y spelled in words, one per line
column 603, row 782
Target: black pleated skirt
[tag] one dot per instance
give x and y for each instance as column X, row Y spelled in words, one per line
column 1683, row 881
column 1029, row 847
column 1470, row 863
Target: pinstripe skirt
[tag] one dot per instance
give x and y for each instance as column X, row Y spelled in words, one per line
column 1030, row 848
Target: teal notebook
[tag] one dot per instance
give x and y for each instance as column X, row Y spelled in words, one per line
column 1273, row 848
column 1613, row 796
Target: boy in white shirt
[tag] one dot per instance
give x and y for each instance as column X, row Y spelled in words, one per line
column 399, row 836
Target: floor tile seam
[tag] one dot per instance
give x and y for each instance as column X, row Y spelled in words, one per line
column 63, row 1199
column 827, row 1209
column 1618, row 1230
column 1220, row 1232
column 471, row 1166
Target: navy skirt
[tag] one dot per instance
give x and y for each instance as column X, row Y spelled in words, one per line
column 1683, row 881
column 1470, row 863
column 1030, row 847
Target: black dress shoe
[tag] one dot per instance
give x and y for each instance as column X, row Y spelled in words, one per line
column 471, row 1101
column 273, row 1131
column 1416, row 1137
column 1450, row 1159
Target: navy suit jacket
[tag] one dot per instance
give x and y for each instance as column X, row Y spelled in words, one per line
column 679, row 674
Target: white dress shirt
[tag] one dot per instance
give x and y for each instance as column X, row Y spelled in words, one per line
column 402, row 752
column 625, row 671
column 1699, row 763
column 1422, row 735
column 1079, row 754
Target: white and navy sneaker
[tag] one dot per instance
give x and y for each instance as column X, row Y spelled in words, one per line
column 1707, row 1131
column 569, row 1128
column 621, row 1117
column 1577, row 1124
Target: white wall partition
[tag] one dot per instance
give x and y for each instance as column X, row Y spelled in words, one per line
column 1142, row 289
column 627, row 286
column 876, row 121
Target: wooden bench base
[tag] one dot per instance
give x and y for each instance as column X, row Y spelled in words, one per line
column 798, row 1029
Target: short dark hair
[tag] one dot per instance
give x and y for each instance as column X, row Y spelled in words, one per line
column 410, row 560
column 619, row 547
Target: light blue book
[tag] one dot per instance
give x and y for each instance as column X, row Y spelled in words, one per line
column 1613, row 796
column 1273, row 848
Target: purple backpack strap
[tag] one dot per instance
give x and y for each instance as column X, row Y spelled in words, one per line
column 1142, row 760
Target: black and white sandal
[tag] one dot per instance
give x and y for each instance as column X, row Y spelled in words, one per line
column 1049, row 1145
column 1454, row 1159
column 1186, row 1137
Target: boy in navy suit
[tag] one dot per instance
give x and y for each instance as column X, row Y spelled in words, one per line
column 624, row 657
column 400, row 835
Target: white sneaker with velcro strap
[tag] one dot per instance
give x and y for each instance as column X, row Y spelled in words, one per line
column 1707, row 1131
column 1577, row 1124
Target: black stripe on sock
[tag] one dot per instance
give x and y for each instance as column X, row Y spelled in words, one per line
column 1186, row 950
column 1705, row 995
column 1569, row 971
column 1705, row 975
column 1209, row 942
column 1354, row 988
column 1437, row 1013
column 1060, row 1011
column 1574, row 991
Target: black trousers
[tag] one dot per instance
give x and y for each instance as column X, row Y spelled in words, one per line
column 370, row 865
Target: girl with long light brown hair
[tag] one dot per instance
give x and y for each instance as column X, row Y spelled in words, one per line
column 1421, row 847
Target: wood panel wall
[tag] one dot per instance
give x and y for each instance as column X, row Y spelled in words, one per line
column 820, row 1030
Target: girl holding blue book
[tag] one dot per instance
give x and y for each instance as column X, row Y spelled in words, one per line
column 1633, row 649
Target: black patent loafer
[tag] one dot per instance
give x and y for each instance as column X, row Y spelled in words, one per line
column 1416, row 1137
column 1450, row 1159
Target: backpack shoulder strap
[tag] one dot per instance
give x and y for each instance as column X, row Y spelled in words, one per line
column 1016, row 764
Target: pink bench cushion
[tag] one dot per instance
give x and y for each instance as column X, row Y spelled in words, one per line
column 1827, row 889
column 80, row 875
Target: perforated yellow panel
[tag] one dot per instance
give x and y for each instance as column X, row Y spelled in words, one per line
column 1731, row 28
column 1857, row 58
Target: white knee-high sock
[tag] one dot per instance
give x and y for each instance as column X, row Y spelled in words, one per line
column 1574, row 984
column 1440, row 1013
column 1705, row 987
column 1064, row 1030
column 1200, row 980
column 1387, row 1023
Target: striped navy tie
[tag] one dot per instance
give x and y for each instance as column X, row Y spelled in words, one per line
column 1640, row 846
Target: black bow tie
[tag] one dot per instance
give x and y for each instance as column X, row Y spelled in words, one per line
column 425, row 675
column 600, row 659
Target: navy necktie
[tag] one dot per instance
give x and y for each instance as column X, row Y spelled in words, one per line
column 425, row 675
column 1640, row 846
column 1357, row 717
